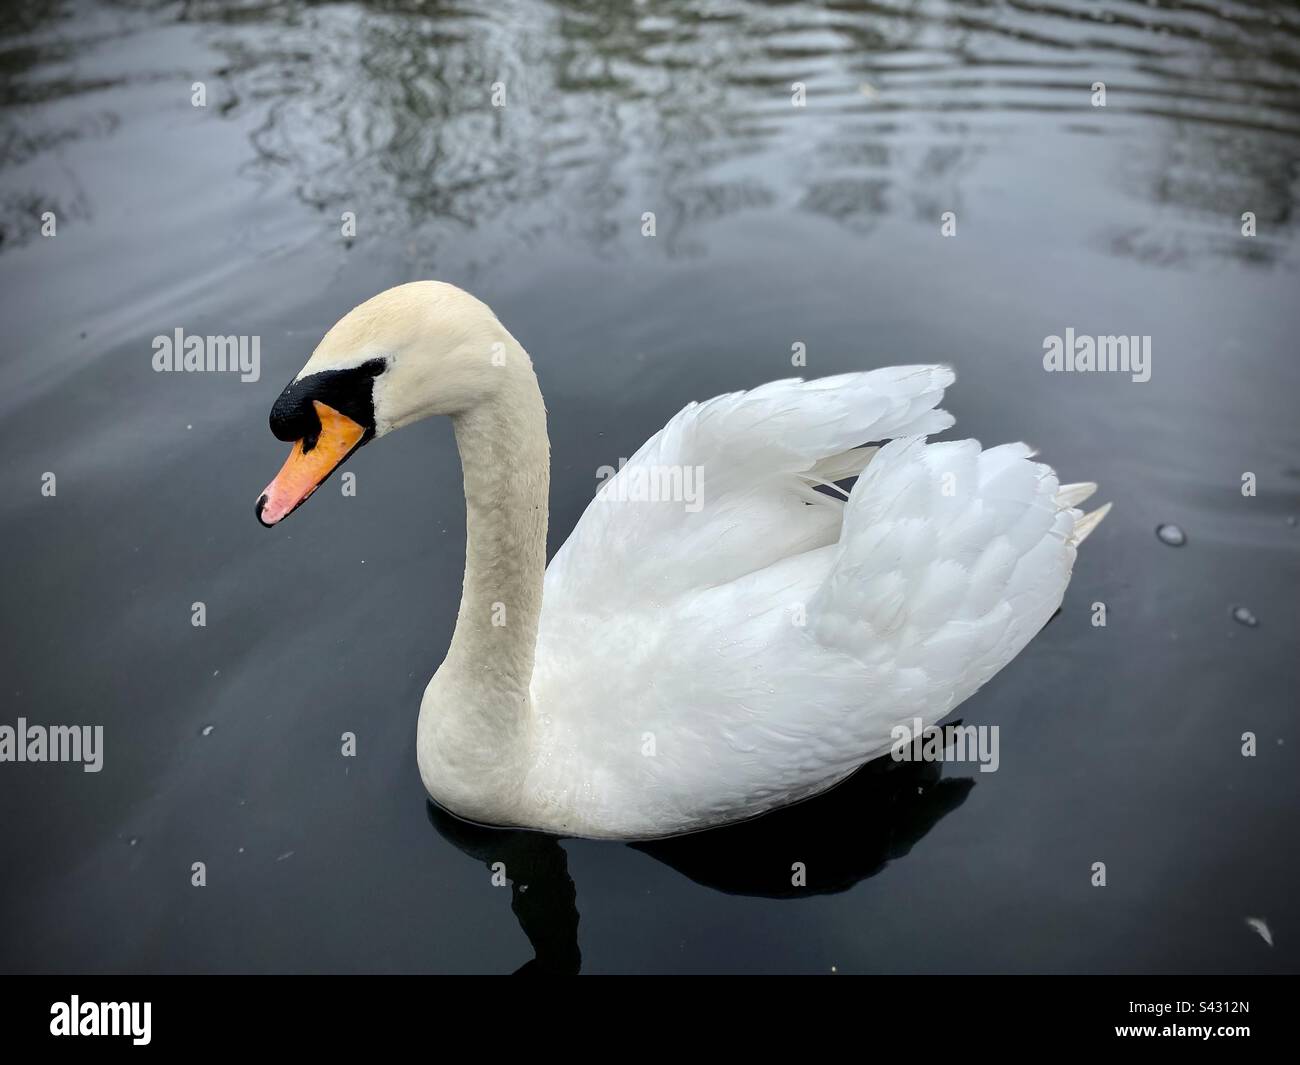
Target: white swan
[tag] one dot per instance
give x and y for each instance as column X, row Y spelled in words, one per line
column 684, row 664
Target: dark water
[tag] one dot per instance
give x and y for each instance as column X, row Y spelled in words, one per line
column 775, row 224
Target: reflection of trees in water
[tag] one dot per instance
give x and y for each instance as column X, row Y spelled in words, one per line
column 1201, row 180
column 392, row 116
column 28, row 138
column 389, row 114
column 614, row 108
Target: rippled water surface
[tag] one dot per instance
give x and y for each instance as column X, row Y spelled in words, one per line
column 776, row 224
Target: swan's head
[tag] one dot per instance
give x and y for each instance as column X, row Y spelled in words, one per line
column 415, row 350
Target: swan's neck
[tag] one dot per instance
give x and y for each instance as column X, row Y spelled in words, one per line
column 476, row 712
column 505, row 455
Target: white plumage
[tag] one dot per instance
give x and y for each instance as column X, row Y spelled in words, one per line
column 692, row 661
column 764, row 646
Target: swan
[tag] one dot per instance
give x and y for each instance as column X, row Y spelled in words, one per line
column 686, row 662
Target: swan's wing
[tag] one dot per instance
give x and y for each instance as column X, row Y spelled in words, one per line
column 763, row 648
column 950, row 560
column 726, row 487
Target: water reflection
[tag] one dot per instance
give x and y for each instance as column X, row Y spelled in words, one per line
column 841, row 837
column 386, row 109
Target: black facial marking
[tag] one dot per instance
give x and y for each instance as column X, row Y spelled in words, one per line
column 349, row 392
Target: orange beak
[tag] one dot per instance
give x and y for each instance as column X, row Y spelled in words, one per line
column 308, row 467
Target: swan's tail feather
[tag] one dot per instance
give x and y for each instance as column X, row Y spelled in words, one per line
column 1088, row 522
column 1071, row 495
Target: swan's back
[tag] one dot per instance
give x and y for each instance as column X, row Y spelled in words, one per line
column 714, row 656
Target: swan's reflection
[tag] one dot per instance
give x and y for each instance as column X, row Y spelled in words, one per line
column 542, row 894
column 842, row 836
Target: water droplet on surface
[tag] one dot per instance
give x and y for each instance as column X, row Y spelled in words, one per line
column 1243, row 616
column 1171, row 535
